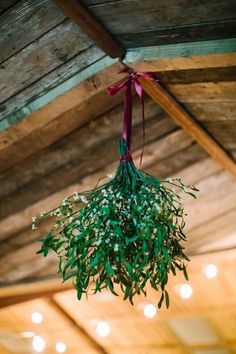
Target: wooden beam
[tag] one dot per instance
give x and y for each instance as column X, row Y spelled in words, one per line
column 181, row 50
column 92, row 27
column 16, row 292
column 52, row 302
column 175, row 110
column 182, row 33
column 16, row 110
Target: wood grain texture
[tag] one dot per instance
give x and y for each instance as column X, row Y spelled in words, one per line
column 213, row 111
column 197, row 75
column 205, row 62
column 35, row 95
column 213, row 233
column 7, row 4
column 179, row 34
column 150, row 15
column 90, row 25
column 188, row 49
column 26, row 22
column 217, row 92
column 84, row 102
column 41, row 57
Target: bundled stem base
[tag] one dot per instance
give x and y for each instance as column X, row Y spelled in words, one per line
column 126, row 232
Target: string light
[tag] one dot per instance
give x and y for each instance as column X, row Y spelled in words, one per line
column 61, row 347
column 186, row 291
column 211, row 271
column 150, row 311
column 36, row 317
column 103, row 328
column 38, row 343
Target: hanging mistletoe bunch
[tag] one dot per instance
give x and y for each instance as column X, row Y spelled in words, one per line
column 127, row 231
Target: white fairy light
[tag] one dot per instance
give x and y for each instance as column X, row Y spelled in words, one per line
column 61, row 347
column 36, row 317
column 186, row 291
column 38, row 344
column 103, row 328
column 150, row 311
column 211, row 271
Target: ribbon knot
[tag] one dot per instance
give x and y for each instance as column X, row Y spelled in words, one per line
column 131, row 83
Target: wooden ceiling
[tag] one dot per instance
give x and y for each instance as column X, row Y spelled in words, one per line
column 205, row 323
column 59, row 131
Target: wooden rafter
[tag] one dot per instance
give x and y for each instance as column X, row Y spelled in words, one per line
column 170, row 104
column 92, row 27
column 21, row 292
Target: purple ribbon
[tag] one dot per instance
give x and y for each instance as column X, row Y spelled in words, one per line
column 129, row 83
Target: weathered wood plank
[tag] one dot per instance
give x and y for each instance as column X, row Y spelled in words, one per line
column 198, row 75
column 24, row 23
column 42, row 56
column 212, row 232
column 199, row 171
column 24, row 238
column 186, row 63
column 179, row 34
column 29, row 291
column 152, row 14
column 204, row 92
column 224, row 132
column 163, row 64
column 13, row 268
column 217, row 194
column 7, row 4
column 181, row 49
column 212, row 111
column 60, row 117
column 51, row 85
column 177, row 162
column 26, row 288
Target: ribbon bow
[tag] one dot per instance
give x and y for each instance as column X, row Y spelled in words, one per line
column 130, row 82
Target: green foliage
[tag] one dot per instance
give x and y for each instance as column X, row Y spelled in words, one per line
column 127, row 231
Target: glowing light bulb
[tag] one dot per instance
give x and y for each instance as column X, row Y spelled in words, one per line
column 150, row 311
column 61, row 347
column 103, row 328
column 36, row 317
column 38, row 344
column 211, row 271
column 186, row 291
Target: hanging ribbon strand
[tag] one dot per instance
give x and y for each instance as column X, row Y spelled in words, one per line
column 131, row 83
